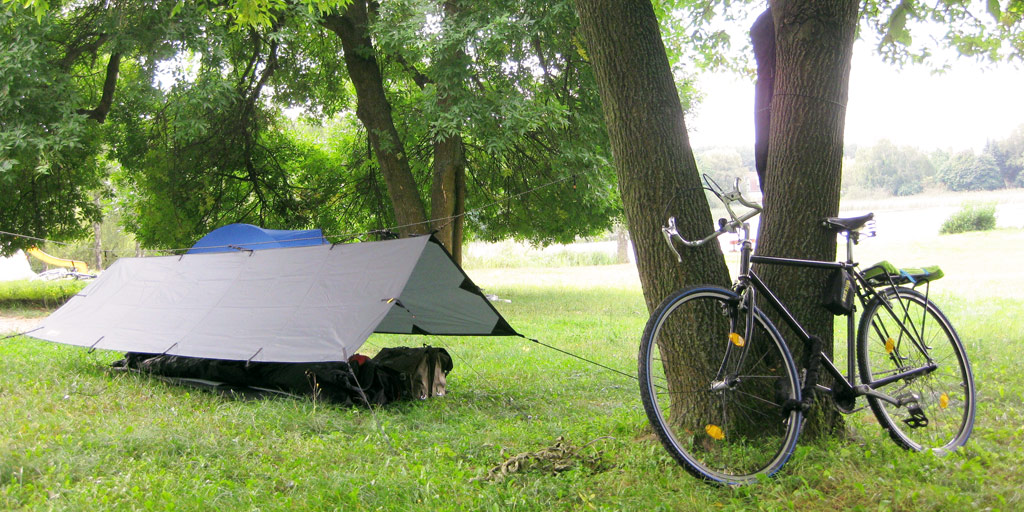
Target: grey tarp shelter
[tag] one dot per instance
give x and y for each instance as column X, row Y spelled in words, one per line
column 302, row 304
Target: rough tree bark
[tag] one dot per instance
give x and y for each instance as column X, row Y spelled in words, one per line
column 374, row 111
column 655, row 165
column 814, row 44
column 656, row 170
column 447, row 200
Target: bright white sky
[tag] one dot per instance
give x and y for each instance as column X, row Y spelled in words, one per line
column 957, row 110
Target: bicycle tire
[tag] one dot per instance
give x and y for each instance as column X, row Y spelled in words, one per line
column 729, row 424
column 945, row 397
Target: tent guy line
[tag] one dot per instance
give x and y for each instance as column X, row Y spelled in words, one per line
column 29, row 237
column 15, row 335
column 581, row 358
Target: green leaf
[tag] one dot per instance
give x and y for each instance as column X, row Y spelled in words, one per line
column 994, row 9
column 897, row 25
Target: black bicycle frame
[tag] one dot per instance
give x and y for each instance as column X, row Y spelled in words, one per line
column 748, row 277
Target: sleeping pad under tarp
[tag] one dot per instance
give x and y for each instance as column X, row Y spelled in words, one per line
column 361, row 381
column 336, row 382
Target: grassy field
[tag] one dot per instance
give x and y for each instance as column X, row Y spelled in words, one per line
column 76, row 436
column 31, row 298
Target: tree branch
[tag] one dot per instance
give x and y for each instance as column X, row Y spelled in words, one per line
column 99, row 114
column 74, row 52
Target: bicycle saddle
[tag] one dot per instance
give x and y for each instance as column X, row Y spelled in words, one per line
column 846, row 223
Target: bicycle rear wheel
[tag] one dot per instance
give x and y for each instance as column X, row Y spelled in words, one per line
column 911, row 333
column 715, row 400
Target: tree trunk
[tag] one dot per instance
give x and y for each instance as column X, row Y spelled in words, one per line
column 762, row 39
column 459, row 226
column 374, row 111
column 99, row 114
column 97, row 240
column 447, row 197
column 814, row 43
column 656, row 170
column 446, row 203
column 621, row 243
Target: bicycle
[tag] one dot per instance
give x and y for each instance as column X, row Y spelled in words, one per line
column 733, row 406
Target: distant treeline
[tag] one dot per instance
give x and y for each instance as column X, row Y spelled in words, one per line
column 901, row 170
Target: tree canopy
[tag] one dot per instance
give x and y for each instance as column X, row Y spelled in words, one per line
column 195, row 115
column 198, row 114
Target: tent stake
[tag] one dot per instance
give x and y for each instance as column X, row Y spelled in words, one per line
column 92, row 348
column 373, row 410
column 247, row 361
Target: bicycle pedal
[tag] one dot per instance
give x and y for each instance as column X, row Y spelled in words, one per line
column 917, row 417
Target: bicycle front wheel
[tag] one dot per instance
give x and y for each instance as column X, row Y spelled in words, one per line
column 719, row 401
column 900, row 331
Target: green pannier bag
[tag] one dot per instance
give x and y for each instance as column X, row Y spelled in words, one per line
column 883, row 272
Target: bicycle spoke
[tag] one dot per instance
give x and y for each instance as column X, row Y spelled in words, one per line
column 939, row 409
column 718, row 415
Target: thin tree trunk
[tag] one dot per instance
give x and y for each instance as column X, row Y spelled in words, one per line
column 99, row 113
column 814, row 43
column 621, row 243
column 445, row 204
column 374, row 111
column 447, row 200
column 458, row 227
column 97, row 240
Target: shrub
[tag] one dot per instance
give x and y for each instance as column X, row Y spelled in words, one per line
column 971, row 217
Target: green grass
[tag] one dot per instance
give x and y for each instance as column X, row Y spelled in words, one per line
column 76, row 436
column 507, row 254
column 27, row 295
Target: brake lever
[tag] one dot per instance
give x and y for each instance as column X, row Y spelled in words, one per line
column 670, row 231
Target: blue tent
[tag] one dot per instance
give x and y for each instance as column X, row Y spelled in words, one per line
column 246, row 236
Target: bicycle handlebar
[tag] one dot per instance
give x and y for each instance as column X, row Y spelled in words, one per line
column 738, row 221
